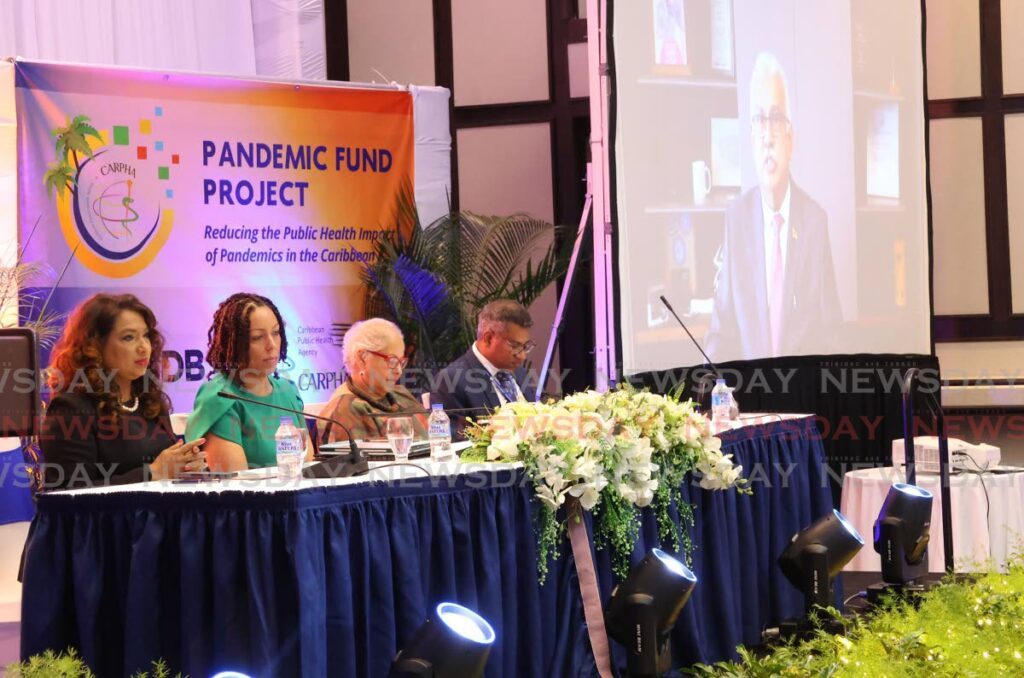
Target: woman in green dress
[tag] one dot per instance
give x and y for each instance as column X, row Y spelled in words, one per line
column 247, row 341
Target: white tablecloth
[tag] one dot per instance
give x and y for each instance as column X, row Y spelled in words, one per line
column 979, row 542
column 266, row 480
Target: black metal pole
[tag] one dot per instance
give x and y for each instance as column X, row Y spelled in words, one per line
column 944, row 489
column 910, row 378
column 908, row 424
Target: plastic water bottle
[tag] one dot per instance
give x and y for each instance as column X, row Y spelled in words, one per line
column 440, row 433
column 290, row 451
column 721, row 405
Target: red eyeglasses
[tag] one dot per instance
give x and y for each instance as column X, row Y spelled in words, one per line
column 391, row 361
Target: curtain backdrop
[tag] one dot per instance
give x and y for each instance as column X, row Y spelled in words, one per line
column 274, row 38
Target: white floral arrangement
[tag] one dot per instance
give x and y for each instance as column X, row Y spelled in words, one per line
column 616, row 452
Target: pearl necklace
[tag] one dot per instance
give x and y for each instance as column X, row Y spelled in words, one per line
column 130, row 408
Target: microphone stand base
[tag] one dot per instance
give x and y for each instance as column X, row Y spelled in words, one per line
column 341, row 466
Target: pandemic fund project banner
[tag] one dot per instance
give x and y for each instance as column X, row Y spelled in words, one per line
column 183, row 189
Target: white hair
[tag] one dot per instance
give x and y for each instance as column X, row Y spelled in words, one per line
column 766, row 67
column 368, row 335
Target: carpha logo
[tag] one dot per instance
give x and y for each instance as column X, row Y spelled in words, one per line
column 114, row 194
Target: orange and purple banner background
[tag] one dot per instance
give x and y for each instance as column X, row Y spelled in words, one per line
column 196, row 187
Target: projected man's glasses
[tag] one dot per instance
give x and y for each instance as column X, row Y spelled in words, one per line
column 777, row 122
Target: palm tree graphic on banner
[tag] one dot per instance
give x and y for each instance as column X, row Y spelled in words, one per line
column 114, row 205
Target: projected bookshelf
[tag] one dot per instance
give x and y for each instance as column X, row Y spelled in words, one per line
column 884, row 121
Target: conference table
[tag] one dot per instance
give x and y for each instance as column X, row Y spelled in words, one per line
column 331, row 577
column 987, row 511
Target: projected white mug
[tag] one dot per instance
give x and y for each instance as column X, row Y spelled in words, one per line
column 701, row 181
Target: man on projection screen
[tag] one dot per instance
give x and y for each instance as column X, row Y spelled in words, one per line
column 775, row 293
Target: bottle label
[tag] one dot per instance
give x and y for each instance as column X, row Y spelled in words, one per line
column 288, row 440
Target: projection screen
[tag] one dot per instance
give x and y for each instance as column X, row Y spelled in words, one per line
column 770, row 179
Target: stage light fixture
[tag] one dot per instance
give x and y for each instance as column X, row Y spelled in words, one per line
column 644, row 608
column 230, row 674
column 453, row 642
column 818, row 553
column 902, row 533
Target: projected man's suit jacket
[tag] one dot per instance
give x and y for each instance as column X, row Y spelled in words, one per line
column 740, row 327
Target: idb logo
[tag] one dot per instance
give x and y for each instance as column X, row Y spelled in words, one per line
column 188, row 364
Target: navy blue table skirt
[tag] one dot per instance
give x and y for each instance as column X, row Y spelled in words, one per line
column 331, row 581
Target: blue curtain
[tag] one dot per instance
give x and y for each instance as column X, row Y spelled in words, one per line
column 332, row 581
column 738, row 538
column 15, row 496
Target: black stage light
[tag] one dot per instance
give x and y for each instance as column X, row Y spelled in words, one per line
column 818, row 553
column 454, row 642
column 643, row 609
column 902, row 533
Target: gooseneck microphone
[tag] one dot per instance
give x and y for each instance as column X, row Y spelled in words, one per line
column 687, row 330
column 354, row 463
column 714, row 367
column 700, row 348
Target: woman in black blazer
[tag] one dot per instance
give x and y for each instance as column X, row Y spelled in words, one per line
column 108, row 420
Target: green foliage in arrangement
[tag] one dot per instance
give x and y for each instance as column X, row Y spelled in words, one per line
column 615, row 453
column 957, row 629
column 69, row 665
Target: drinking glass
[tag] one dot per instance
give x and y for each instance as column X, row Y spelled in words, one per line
column 400, row 436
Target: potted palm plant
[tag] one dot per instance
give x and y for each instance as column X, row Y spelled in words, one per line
column 433, row 280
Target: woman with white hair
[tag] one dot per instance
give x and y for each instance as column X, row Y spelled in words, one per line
column 374, row 354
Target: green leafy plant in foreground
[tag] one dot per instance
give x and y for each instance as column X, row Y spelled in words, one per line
column 957, row 629
column 51, row 664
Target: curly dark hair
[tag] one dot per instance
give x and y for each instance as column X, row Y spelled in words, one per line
column 229, row 334
column 79, row 352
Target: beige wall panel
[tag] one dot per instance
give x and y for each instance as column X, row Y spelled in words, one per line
column 960, row 263
column 1011, row 17
column 507, row 169
column 982, row 360
column 1015, row 205
column 579, row 75
column 500, row 51
column 979, row 364
column 394, row 37
column 954, row 48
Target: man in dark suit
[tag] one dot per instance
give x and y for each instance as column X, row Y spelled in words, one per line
column 775, row 293
column 491, row 372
